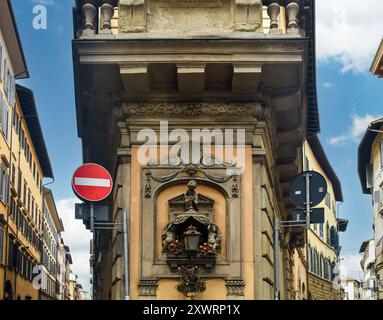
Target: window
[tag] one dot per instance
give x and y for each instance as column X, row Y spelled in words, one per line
column 33, row 209
column 1, row 245
column 321, row 231
column 25, row 193
column 327, row 233
column 13, row 174
column 328, row 200
column 22, row 139
column 16, row 121
column 29, row 201
column 20, row 177
column 4, row 181
column 334, row 238
column 4, row 116
column 13, row 210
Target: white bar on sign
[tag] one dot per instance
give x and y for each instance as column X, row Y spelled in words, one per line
column 92, row 182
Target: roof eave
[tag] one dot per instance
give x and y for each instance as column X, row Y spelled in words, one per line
column 377, row 63
column 22, row 72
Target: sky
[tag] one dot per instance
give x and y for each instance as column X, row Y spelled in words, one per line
column 348, row 35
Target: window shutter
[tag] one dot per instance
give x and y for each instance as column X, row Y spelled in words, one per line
column 334, row 238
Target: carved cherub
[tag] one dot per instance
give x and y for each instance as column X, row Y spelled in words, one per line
column 191, row 197
column 214, row 237
column 168, row 236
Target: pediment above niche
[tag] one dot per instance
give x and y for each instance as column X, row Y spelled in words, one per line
column 190, row 17
column 177, row 206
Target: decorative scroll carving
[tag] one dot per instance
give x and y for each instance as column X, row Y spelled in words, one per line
column 235, row 287
column 235, row 187
column 190, row 170
column 147, row 288
column 188, row 109
column 248, row 15
column 148, row 187
column 132, row 16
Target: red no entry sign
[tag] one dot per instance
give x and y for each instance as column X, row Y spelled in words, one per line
column 92, row 182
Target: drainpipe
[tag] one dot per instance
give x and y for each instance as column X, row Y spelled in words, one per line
column 338, row 254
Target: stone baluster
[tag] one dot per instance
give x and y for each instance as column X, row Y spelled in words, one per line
column 273, row 11
column 107, row 12
column 89, row 12
column 292, row 12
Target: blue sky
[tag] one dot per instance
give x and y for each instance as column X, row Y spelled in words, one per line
column 347, row 35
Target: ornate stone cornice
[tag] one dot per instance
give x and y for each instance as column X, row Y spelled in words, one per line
column 188, row 109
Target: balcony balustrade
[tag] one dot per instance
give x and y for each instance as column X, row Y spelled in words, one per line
column 94, row 17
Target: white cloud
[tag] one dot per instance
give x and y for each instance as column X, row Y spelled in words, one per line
column 77, row 238
column 358, row 127
column 349, row 31
column 327, row 85
column 350, row 266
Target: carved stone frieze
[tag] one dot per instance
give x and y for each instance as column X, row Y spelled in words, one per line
column 188, row 109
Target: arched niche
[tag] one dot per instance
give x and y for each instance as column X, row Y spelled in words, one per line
column 168, row 192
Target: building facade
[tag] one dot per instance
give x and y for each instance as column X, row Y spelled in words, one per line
column 353, row 289
column 225, row 66
column 51, row 234
column 24, row 163
column 370, row 169
column 323, row 246
column 368, row 266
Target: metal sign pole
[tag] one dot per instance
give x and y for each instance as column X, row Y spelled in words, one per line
column 126, row 252
column 93, row 248
column 276, row 258
column 308, row 201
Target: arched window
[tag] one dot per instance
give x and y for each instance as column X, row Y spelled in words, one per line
column 309, row 261
column 326, row 269
column 316, row 262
